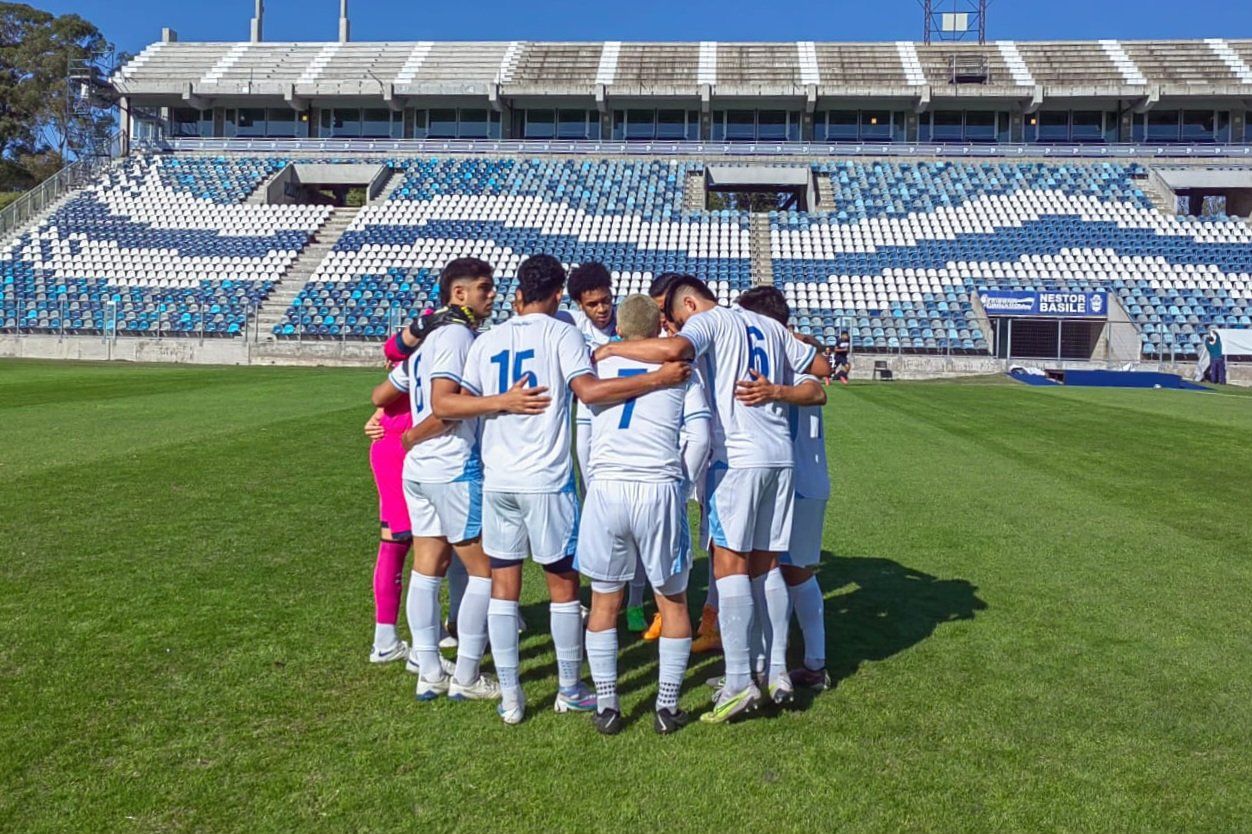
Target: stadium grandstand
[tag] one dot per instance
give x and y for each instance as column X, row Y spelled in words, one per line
column 294, row 201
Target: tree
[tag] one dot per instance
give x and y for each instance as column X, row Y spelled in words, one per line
column 37, row 130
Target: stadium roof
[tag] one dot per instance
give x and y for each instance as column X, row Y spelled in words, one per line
column 1148, row 70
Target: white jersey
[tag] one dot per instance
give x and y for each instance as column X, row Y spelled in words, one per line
column 453, row 455
column 808, row 440
column 527, row 452
column 595, row 337
column 638, row 440
column 593, row 334
column 727, row 343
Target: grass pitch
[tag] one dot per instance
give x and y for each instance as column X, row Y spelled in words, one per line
column 1037, row 601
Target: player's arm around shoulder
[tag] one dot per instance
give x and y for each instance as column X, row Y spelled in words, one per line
column 758, row 390
column 593, row 390
column 657, row 351
column 392, row 388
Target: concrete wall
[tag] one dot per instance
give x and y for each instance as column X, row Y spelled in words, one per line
column 369, row 354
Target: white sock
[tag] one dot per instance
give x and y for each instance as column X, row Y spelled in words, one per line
column 457, row 582
column 810, row 610
column 602, row 657
column 674, row 653
column 760, row 634
column 634, row 598
column 778, row 614
column 502, row 627
column 566, row 622
column 472, row 629
column 734, row 616
column 384, row 636
column 423, row 611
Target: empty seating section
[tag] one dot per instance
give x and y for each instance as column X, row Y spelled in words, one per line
column 156, row 245
column 860, row 63
column 1069, row 64
column 626, row 214
column 906, row 246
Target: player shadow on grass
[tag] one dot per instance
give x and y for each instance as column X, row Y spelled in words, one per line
column 875, row 608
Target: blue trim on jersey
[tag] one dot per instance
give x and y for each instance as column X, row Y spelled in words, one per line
column 577, row 374
column 716, row 533
column 571, row 546
column 474, row 523
column 687, row 418
column 472, row 388
column 473, row 469
column 448, row 375
column 809, row 361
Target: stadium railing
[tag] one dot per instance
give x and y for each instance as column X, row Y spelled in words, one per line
column 696, row 149
column 18, row 213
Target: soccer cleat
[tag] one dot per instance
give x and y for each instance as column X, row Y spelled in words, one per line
column 396, row 652
column 430, row 690
column 781, row 692
column 729, row 705
column 447, row 638
column 818, row 679
column 578, row 698
column 726, row 705
column 635, row 621
column 654, row 630
column 608, row 723
column 486, row 688
column 411, row 665
column 667, row 722
column 513, row 715
column 709, row 636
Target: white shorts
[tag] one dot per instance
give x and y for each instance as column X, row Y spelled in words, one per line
column 543, row 525
column 750, row 509
column 451, row 511
column 627, row 520
column 807, row 520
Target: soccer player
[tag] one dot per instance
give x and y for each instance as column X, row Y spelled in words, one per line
column 804, row 400
column 843, row 362
column 443, row 488
column 635, row 513
column 750, row 490
column 384, row 429
column 529, row 504
column 591, row 288
column 708, row 637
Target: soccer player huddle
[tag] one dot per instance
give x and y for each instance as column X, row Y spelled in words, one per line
column 677, row 398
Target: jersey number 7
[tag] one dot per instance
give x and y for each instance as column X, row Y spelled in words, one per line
column 629, row 406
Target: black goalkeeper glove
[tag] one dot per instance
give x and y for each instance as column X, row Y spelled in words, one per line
column 431, row 320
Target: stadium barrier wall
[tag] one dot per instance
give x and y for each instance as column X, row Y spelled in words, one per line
column 359, row 354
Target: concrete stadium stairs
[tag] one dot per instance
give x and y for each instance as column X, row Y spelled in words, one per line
column 280, row 298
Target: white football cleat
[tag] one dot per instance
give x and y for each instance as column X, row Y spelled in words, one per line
column 486, row 688
column 396, row 652
column 430, row 690
column 447, row 635
column 411, row 665
column 514, row 715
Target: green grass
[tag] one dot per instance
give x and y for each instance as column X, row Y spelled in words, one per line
column 1038, row 610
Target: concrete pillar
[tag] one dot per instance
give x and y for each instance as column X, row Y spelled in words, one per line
column 910, row 126
column 806, row 127
column 345, row 28
column 1195, row 204
column 606, row 125
column 1017, row 128
column 258, row 22
column 123, row 112
column 168, row 35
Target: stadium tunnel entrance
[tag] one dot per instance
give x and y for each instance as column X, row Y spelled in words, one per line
column 1083, row 326
column 759, row 188
column 1227, row 190
column 333, row 184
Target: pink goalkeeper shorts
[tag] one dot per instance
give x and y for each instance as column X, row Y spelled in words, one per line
column 387, row 461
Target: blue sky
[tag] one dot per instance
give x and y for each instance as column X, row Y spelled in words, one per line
column 132, row 24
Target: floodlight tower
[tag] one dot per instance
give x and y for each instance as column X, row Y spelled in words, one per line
column 954, row 20
column 87, row 134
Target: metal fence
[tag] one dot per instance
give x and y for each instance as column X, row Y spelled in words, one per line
column 25, row 208
column 697, row 149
